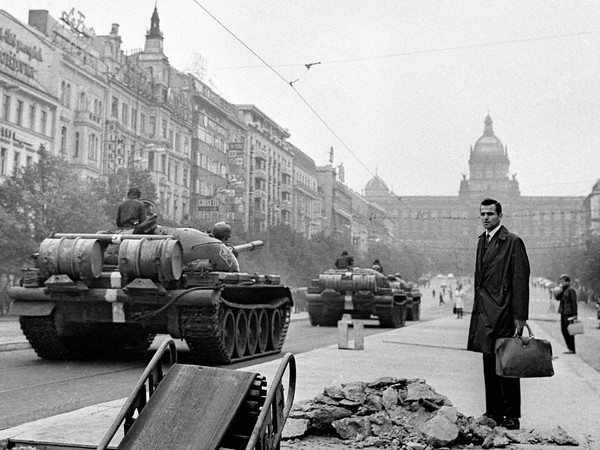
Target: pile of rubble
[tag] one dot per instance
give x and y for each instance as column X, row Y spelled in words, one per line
column 400, row 413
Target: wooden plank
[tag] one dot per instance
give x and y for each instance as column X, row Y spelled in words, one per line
column 191, row 409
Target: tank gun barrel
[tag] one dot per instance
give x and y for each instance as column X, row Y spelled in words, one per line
column 248, row 246
column 112, row 238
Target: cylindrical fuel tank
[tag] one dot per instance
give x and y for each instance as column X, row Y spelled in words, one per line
column 80, row 259
column 154, row 259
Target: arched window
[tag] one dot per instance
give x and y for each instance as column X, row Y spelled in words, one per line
column 81, row 102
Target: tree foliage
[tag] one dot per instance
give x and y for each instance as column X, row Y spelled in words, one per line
column 42, row 199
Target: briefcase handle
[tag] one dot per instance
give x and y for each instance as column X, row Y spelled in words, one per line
column 520, row 335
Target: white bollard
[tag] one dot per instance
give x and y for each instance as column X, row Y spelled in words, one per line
column 343, row 334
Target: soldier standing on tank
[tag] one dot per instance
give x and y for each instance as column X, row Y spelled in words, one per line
column 131, row 211
column 345, row 261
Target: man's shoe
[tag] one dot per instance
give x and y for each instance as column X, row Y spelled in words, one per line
column 569, row 352
column 511, row 423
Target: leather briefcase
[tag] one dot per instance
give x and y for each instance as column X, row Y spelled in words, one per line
column 575, row 327
column 523, row 357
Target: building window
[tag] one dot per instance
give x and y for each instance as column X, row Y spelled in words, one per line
column 16, row 162
column 3, row 156
column 134, row 119
column 142, row 123
column 29, row 161
column 163, row 163
column 152, row 126
column 19, row 112
column 32, row 111
column 6, row 108
column 114, row 110
column 177, row 142
column 77, row 143
column 124, row 114
column 151, row 161
column 81, row 102
column 164, row 128
column 44, row 122
column 63, row 139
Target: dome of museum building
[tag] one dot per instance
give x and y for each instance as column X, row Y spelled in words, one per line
column 488, row 144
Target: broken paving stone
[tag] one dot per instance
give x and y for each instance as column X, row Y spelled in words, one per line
column 294, row 428
column 355, row 392
column 351, row 427
column 389, row 398
column 381, row 424
column 560, row 437
column 334, row 391
column 441, row 429
column 384, row 382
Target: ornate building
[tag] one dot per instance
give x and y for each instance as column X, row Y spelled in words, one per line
column 445, row 228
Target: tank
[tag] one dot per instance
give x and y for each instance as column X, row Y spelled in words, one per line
column 92, row 294
column 360, row 293
column 413, row 297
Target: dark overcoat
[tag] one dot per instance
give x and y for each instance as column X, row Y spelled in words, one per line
column 501, row 290
column 568, row 302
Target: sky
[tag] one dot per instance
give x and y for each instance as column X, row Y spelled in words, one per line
column 399, row 88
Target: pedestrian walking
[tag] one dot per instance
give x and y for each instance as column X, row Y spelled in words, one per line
column 567, row 308
column 433, row 293
column 459, row 302
column 500, row 309
column 441, row 299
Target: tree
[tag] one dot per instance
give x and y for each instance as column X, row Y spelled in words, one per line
column 46, row 197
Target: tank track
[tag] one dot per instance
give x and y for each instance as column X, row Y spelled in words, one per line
column 202, row 329
column 83, row 342
column 41, row 333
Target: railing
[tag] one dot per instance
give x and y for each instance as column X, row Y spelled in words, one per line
column 153, row 375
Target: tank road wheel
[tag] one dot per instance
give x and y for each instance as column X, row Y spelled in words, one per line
column 276, row 328
column 241, row 332
column 228, row 334
column 263, row 331
column 253, row 332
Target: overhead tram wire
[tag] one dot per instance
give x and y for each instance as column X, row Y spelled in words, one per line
column 313, row 110
column 431, row 50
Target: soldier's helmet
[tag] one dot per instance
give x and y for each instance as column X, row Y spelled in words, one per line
column 221, row 231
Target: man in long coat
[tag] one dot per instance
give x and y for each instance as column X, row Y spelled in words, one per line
column 500, row 308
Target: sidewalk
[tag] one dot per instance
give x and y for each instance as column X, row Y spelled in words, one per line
column 433, row 350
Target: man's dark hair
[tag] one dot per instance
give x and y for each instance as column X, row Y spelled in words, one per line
column 491, row 201
column 566, row 278
column 344, row 253
column 134, row 192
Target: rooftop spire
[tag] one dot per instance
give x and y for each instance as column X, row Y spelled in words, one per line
column 488, row 129
column 154, row 25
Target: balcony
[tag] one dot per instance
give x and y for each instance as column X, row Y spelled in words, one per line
column 88, row 118
column 260, row 193
column 259, row 153
column 286, row 170
column 286, row 187
column 260, row 173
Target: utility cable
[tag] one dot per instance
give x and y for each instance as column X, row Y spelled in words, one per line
column 313, row 110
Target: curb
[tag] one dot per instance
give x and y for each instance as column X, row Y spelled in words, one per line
column 14, row 346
